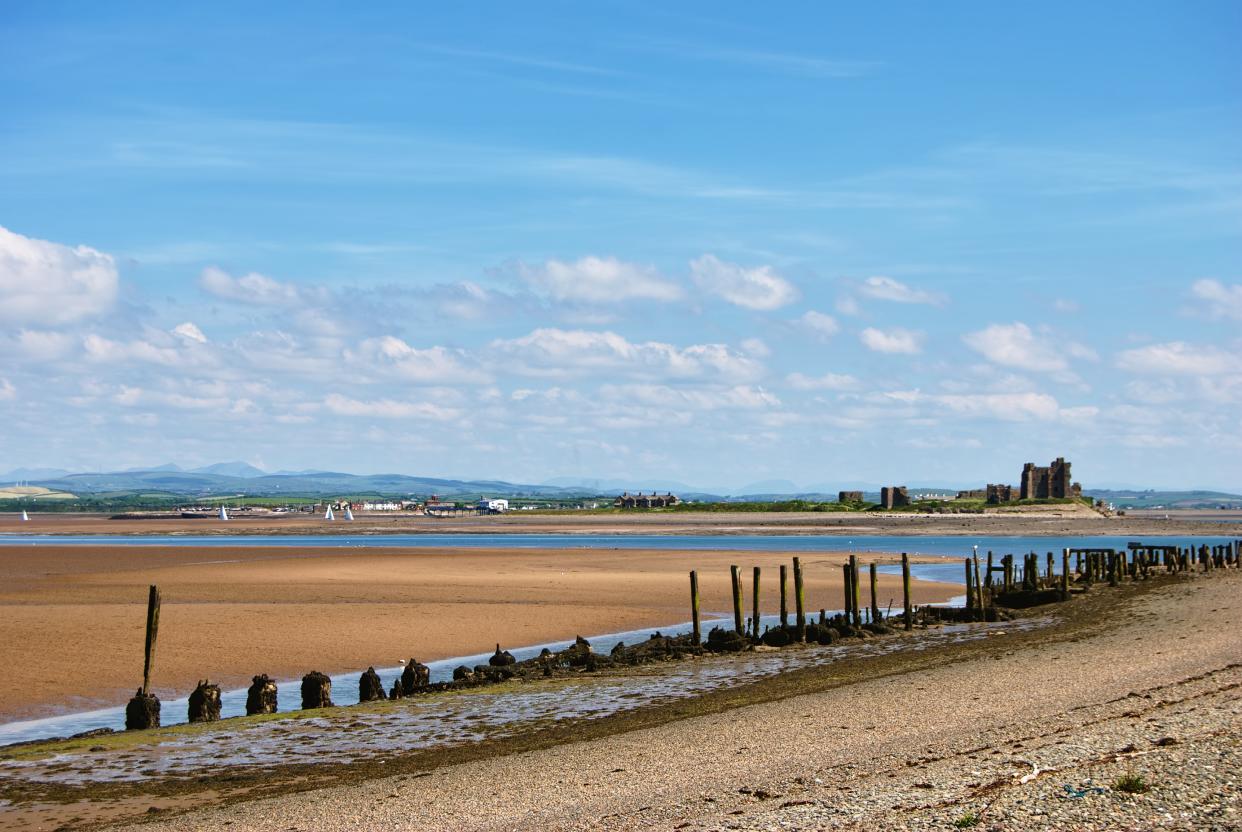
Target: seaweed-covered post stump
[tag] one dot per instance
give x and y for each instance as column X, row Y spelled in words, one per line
column 415, row 677
column 370, row 687
column 261, row 696
column 907, row 611
column 143, row 711
column 875, row 600
column 316, row 691
column 855, row 591
column 204, row 702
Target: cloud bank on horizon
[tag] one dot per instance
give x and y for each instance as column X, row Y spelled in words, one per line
column 804, row 246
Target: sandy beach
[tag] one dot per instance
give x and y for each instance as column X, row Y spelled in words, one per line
column 72, row 617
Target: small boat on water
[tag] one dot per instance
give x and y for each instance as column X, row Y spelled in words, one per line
column 349, row 513
column 25, row 516
column 224, row 513
column 328, row 515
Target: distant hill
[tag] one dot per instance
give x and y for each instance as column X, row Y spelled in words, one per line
column 1166, row 499
column 230, row 469
column 32, row 474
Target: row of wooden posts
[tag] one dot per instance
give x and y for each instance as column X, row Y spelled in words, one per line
column 851, row 607
column 1136, row 562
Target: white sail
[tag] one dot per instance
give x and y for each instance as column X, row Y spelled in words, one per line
column 328, row 515
column 349, row 513
column 224, row 513
column 25, row 516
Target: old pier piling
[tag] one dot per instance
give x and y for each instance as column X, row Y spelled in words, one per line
column 737, row 601
column 875, row 600
column 261, row 696
column 370, row 688
column 697, row 631
column 799, row 600
column 143, row 710
column 755, row 603
column 784, row 601
column 907, row 609
column 316, row 691
column 855, row 591
column 204, row 702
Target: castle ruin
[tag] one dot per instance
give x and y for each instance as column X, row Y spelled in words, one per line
column 894, row 496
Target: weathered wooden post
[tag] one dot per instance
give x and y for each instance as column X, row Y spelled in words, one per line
column 847, row 577
column 875, row 600
column 978, row 584
column 855, row 591
column 1065, row 574
column 784, row 601
column 988, row 578
column 143, row 711
column 1008, row 561
column 799, row 600
column 697, row 631
column 907, row 610
column 970, row 589
column 1115, row 564
column 755, row 592
column 1050, row 570
column 737, row 601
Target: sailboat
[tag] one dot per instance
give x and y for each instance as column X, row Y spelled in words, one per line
column 25, row 516
column 328, row 515
column 224, row 513
column 349, row 513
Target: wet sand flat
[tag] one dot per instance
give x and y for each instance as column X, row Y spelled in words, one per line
column 1029, row 520
column 72, row 617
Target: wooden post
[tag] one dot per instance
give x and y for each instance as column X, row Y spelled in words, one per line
column 697, row 632
column 153, row 629
column 875, row 601
column 799, row 600
column 989, row 575
column 737, row 601
column 970, row 589
column 847, row 577
column 755, row 596
column 784, row 602
column 855, row 591
column 978, row 583
column 908, row 611
column 1065, row 568
column 1050, row 570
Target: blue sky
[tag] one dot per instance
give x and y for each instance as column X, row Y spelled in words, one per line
column 717, row 243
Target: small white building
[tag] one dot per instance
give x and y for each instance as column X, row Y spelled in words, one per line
column 493, row 506
column 382, row 506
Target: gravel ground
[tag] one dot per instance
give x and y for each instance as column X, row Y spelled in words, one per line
column 1156, row 695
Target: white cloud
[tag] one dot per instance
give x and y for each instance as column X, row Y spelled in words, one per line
column 698, row 398
column 895, row 340
column 7, row 391
column 1178, row 358
column 1223, row 301
column 828, row 381
column 391, row 355
column 847, row 305
column 823, row 326
column 1013, row 407
column 1015, row 345
column 47, row 283
column 599, row 280
column 886, row 288
column 756, row 347
column 759, row 288
column 44, row 345
column 250, row 288
column 106, row 351
column 552, row 351
column 389, row 409
column 190, row 331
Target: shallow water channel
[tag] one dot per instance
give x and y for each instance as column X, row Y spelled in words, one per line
column 371, row 732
